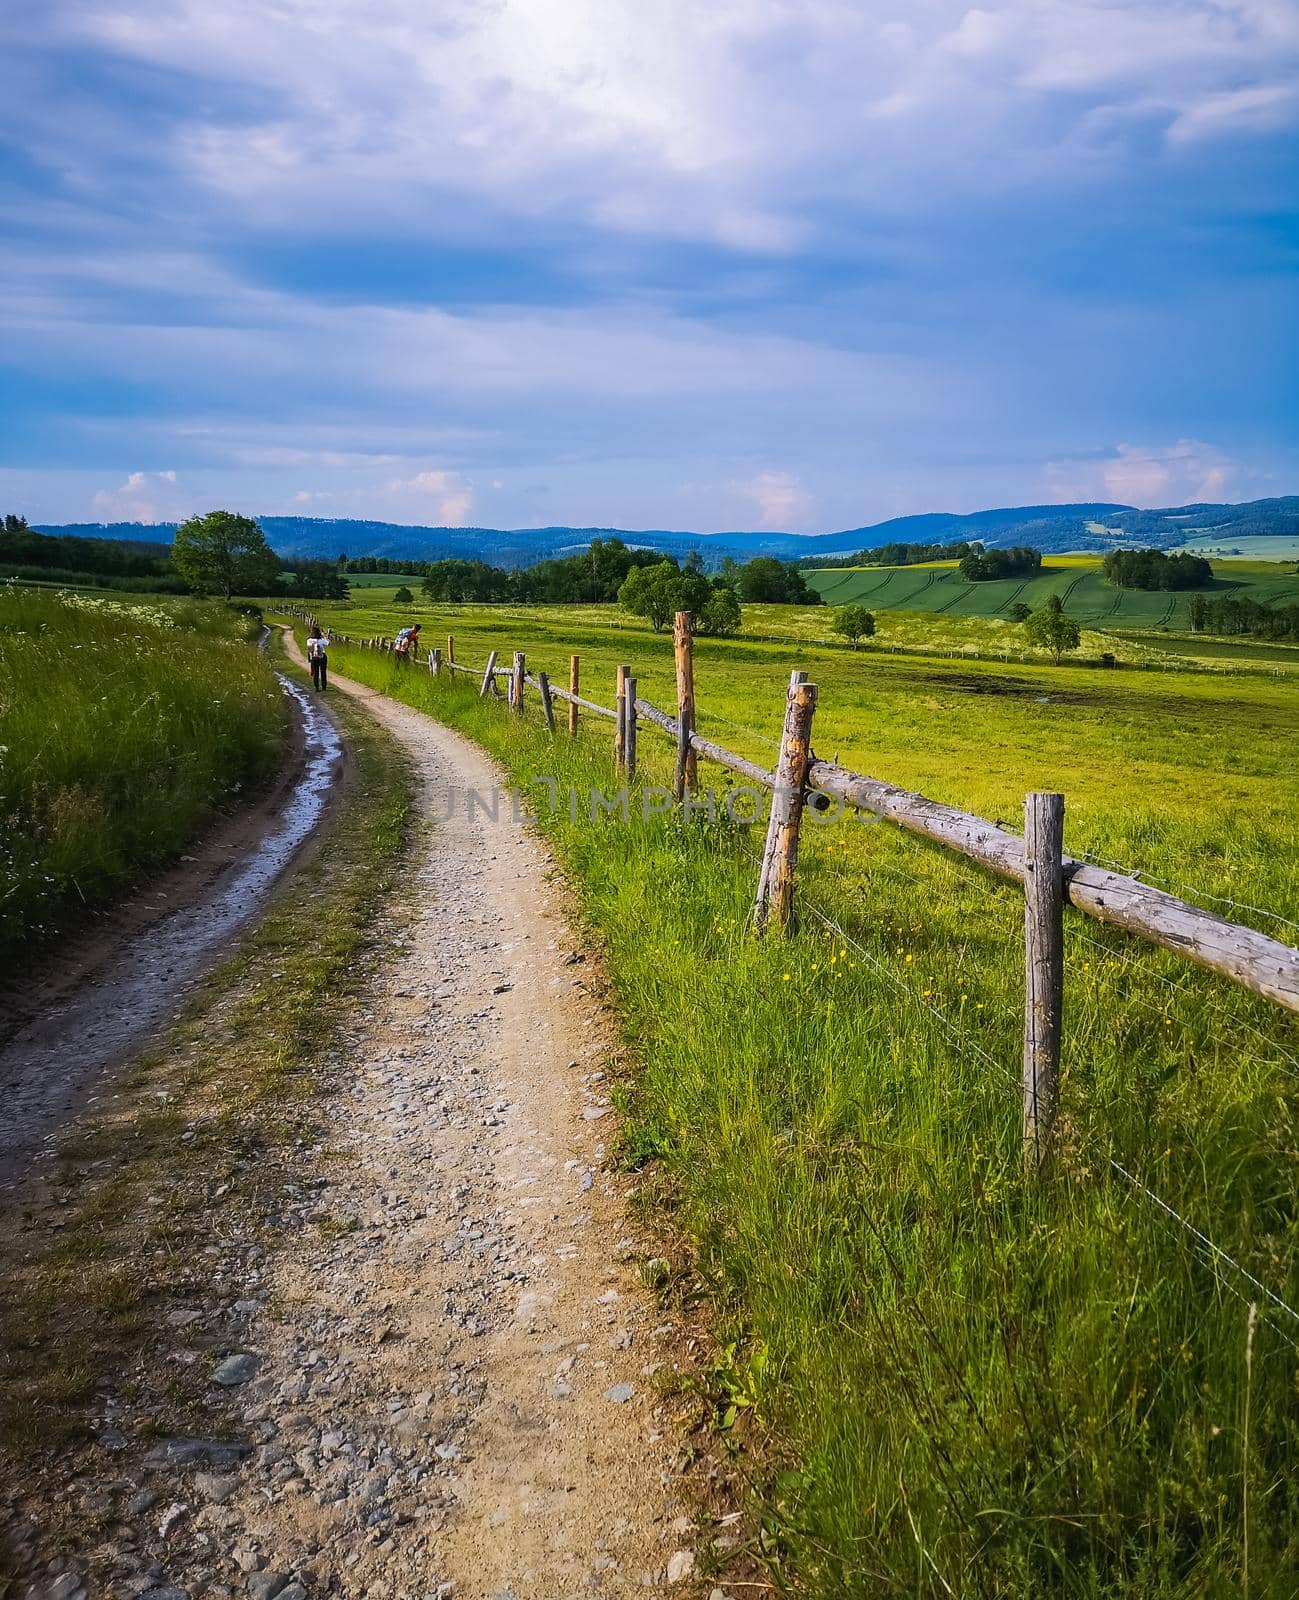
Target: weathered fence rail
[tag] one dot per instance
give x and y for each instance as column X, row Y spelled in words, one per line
column 1036, row 860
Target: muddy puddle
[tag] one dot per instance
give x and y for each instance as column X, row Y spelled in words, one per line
column 98, row 1017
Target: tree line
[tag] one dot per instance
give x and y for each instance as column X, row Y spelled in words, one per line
column 1153, row 569
column 598, row 574
column 1232, row 615
column 217, row 554
column 982, row 566
column 896, row 554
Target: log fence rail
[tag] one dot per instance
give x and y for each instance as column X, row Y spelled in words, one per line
column 1052, row 879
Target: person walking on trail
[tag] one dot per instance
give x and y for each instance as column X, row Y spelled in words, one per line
column 318, row 657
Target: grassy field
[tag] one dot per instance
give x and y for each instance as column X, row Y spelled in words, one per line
column 385, row 580
column 914, row 633
column 1260, row 548
column 123, row 723
column 954, row 1382
column 939, row 588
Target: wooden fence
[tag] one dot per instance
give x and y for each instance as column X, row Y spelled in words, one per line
column 1052, row 880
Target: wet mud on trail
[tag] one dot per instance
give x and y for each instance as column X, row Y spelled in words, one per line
column 103, row 998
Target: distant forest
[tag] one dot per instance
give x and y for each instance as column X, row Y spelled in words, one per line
column 134, row 565
column 896, row 555
column 595, row 574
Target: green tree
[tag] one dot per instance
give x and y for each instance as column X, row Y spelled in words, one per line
column 853, row 622
column 403, row 597
column 660, row 591
column 1019, row 612
column 720, row 613
column 1050, row 629
column 222, row 552
column 775, row 582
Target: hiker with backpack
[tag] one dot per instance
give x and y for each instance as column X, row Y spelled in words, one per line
column 318, row 657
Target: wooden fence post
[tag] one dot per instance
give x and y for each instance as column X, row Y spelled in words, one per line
column 683, row 641
column 620, row 706
column 451, row 651
column 435, row 663
column 775, row 901
column 1043, row 969
column 516, row 682
column 489, row 677
column 629, row 728
column 574, row 680
column 548, row 710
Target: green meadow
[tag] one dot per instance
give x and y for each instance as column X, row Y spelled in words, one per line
column 945, row 1379
column 123, row 724
column 938, row 588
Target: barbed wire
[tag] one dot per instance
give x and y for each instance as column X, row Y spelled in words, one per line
column 831, row 925
column 962, row 1037
column 1216, row 1252
column 1120, row 957
column 1185, row 888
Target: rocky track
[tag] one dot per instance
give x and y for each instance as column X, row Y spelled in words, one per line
column 446, row 1378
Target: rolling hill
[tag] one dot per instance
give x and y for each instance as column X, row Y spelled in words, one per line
column 1052, row 529
column 1088, row 598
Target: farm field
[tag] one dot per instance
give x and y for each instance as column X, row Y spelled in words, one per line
column 971, row 732
column 939, row 588
column 847, row 1101
column 1259, row 548
column 384, row 580
column 124, row 722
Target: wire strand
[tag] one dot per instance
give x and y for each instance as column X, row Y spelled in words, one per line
column 1216, row 1251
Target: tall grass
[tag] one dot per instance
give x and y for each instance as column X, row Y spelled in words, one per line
column 964, row 1383
column 122, row 726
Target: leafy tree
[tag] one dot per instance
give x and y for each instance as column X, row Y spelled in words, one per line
column 853, row 622
column 1232, row 615
column 720, row 613
column 403, row 596
column 729, row 572
column 1019, row 612
column 222, row 552
column 660, row 591
column 980, row 566
column 766, row 580
column 317, row 580
column 1050, row 629
column 1152, row 569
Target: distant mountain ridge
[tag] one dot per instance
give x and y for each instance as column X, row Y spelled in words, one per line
column 1090, row 525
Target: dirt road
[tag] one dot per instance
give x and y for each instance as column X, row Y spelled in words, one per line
column 450, row 1379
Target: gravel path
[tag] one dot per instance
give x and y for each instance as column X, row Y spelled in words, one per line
column 449, row 1380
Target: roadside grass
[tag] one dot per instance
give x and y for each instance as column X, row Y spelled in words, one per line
column 123, row 725
column 963, row 1383
column 197, row 1146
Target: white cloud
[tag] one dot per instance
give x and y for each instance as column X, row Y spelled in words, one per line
column 441, row 498
column 781, row 501
column 725, row 121
column 144, row 497
column 1149, row 475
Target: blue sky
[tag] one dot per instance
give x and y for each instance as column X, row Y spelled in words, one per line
column 796, row 264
